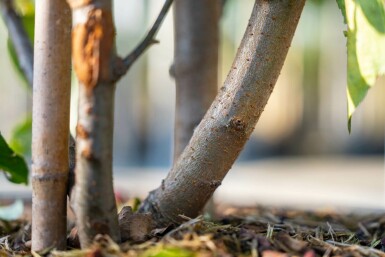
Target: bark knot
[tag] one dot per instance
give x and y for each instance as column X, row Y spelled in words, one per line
column 237, row 124
column 49, row 177
column 215, row 183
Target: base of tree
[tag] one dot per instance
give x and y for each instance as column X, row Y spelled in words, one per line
column 254, row 231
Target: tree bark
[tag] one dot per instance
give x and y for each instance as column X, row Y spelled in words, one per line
column 98, row 68
column 227, row 125
column 93, row 39
column 196, row 36
column 50, row 128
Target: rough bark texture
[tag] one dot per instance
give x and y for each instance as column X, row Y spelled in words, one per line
column 227, row 125
column 50, row 128
column 93, row 53
column 195, row 65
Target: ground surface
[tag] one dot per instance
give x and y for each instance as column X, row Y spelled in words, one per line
column 259, row 231
column 349, row 182
column 312, row 183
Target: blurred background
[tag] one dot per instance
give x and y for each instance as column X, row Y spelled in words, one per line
column 300, row 152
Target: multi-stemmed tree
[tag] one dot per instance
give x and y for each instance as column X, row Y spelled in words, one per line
column 219, row 137
column 200, row 162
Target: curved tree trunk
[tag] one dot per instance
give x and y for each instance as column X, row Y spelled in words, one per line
column 195, row 65
column 50, row 128
column 227, row 125
column 94, row 58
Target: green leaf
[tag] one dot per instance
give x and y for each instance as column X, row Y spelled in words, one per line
column 167, row 252
column 13, row 211
column 12, row 164
column 341, row 5
column 365, row 47
column 21, row 138
column 25, row 7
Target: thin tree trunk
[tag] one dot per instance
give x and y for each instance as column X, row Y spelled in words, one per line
column 94, row 56
column 223, row 132
column 195, row 65
column 196, row 47
column 98, row 68
column 142, row 124
column 24, row 53
column 50, row 128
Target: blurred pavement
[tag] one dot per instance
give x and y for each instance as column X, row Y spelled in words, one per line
column 343, row 182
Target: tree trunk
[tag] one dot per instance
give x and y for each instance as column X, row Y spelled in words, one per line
column 50, row 128
column 227, row 125
column 195, row 65
column 94, row 59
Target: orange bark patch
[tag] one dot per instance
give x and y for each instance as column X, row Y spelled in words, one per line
column 86, row 152
column 81, row 131
column 92, row 48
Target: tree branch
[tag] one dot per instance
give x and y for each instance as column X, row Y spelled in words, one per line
column 144, row 44
column 19, row 38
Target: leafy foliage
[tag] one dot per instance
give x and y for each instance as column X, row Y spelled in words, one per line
column 12, row 164
column 365, row 47
column 21, row 138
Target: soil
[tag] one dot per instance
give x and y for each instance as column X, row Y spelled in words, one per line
column 258, row 231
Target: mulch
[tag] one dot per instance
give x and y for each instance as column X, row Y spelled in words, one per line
column 258, row 231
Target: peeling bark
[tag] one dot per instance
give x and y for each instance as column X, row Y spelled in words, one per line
column 92, row 44
column 195, row 65
column 50, row 128
column 119, row 66
column 227, row 125
column 94, row 56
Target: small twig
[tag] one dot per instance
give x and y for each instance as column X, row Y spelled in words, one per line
column 331, row 231
column 270, row 231
column 146, row 42
column 327, row 252
column 364, row 230
column 19, row 37
column 338, row 243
